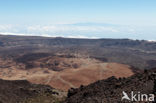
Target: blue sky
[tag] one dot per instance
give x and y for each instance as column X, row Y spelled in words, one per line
column 135, row 19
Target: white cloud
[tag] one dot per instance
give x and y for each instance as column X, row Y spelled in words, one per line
column 5, row 27
column 62, row 29
column 80, row 30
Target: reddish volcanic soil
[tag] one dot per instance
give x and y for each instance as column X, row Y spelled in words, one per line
column 86, row 71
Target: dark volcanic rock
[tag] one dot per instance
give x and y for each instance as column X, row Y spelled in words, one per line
column 110, row 90
column 16, row 91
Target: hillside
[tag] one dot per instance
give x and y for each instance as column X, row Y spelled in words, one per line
column 111, row 89
column 60, row 71
column 103, row 91
column 33, row 63
column 21, row 91
column 138, row 53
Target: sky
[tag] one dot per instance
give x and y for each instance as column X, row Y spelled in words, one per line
column 133, row 19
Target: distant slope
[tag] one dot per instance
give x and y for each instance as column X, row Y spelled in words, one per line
column 84, row 75
column 62, row 72
column 137, row 53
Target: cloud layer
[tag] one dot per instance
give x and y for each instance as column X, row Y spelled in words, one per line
column 80, row 30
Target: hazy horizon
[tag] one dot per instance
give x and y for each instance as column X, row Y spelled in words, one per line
column 133, row 19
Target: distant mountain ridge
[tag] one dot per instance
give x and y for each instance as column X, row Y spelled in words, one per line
column 138, row 53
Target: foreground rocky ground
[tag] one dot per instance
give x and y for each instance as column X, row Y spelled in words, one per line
column 103, row 91
column 24, row 92
column 111, row 89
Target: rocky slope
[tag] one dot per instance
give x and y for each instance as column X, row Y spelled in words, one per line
column 21, row 91
column 111, row 89
column 104, row 91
